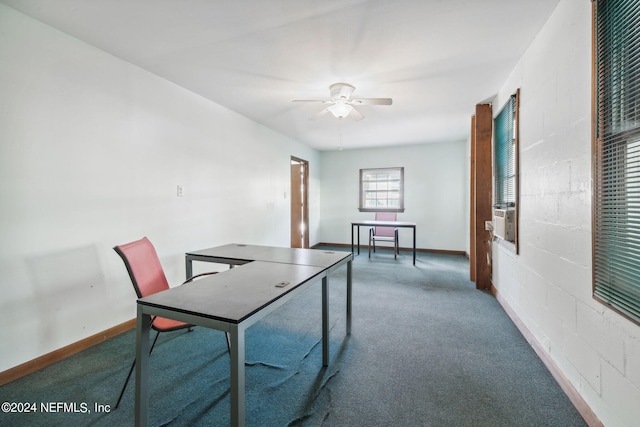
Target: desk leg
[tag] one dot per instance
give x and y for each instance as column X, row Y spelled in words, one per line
column 325, row 321
column 237, row 376
column 188, row 267
column 414, row 246
column 352, row 226
column 143, row 325
column 349, row 286
column 358, row 240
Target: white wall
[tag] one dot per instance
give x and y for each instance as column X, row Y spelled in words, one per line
column 548, row 284
column 91, row 151
column 436, row 193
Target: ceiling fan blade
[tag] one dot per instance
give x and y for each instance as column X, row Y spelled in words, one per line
column 371, row 101
column 356, row 115
column 324, row 101
column 321, row 113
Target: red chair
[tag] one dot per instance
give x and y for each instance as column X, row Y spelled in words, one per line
column 148, row 278
column 384, row 234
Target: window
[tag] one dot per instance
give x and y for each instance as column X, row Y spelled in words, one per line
column 382, row 190
column 504, row 156
column 505, row 167
column 616, row 150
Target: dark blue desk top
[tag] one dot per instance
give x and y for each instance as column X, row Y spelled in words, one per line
column 246, row 253
column 235, row 294
column 266, row 275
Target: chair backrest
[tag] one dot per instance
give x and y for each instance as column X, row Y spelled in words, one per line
column 385, row 231
column 144, row 267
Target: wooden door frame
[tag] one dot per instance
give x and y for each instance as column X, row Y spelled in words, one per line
column 481, row 196
column 299, row 198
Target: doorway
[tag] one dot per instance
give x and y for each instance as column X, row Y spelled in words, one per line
column 299, row 203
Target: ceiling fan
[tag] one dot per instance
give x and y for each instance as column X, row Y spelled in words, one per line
column 342, row 105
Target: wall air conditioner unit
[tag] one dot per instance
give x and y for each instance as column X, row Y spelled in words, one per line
column 503, row 224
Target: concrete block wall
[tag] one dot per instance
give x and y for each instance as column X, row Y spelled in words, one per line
column 548, row 284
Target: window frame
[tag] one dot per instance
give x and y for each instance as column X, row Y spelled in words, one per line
column 363, row 191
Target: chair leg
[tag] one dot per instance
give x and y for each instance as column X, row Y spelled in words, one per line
column 124, row 386
column 372, row 244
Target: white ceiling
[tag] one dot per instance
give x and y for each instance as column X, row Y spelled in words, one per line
column 435, row 58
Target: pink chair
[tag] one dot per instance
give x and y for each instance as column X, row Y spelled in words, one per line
column 384, row 234
column 148, row 278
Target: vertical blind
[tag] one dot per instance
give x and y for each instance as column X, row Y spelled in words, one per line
column 504, row 156
column 616, row 197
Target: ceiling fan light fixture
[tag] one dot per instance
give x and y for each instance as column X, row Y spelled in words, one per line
column 340, row 110
column 342, row 104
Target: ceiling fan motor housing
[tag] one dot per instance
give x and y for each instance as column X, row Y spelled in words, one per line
column 341, row 90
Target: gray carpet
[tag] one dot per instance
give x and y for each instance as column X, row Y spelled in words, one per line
column 426, row 349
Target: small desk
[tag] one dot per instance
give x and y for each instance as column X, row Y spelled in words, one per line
column 239, row 254
column 234, row 300
column 400, row 224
